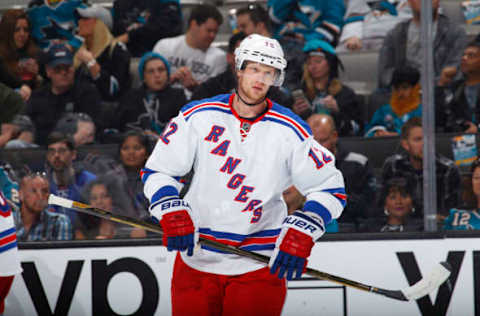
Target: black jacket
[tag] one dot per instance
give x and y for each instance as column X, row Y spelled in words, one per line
column 11, row 104
column 360, row 184
column 46, row 108
column 379, row 224
column 226, row 83
column 132, row 108
column 14, row 81
column 164, row 20
column 448, row 180
column 349, row 119
column 457, row 109
column 114, row 79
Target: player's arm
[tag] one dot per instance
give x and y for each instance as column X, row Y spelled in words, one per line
column 315, row 176
column 172, row 158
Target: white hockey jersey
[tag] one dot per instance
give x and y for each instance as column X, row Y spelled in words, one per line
column 9, row 260
column 241, row 169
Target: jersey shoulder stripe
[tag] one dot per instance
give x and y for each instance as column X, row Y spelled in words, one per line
column 217, row 103
column 286, row 117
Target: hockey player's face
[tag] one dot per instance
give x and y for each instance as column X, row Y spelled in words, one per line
column 34, row 193
column 59, row 156
column 21, row 33
column 205, row 33
column 414, row 143
column 255, row 80
column 155, row 75
column 132, row 153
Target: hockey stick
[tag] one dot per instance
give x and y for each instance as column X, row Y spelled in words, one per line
column 428, row 284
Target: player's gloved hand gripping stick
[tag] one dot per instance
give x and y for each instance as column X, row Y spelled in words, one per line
column 428, row 284
column 175, row 218
column 293, row 246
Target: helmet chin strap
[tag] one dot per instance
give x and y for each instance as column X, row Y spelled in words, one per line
column 249, row 104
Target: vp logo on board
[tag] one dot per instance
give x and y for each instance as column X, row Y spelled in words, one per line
column 102, row 273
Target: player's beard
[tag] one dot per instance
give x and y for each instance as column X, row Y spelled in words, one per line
column 254, row 100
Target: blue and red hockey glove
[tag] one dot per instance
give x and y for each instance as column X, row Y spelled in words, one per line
column 175, row 218
column 294, row 244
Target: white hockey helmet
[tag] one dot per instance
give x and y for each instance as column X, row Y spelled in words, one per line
column 264, row 50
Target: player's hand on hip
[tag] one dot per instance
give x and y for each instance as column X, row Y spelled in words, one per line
column 294, row 244
column 175, row 218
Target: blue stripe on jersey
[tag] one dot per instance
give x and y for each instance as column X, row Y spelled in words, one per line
column 7, row 232
column 286, row 117
column 287, row 112
column 207, row 108
column 145, row 173
column 248, row 248
column 238, row 237
column 319, row 209
column 286, row 124
column 222, row 98
column 339, row 194
column 8, row 246
column 163, row 192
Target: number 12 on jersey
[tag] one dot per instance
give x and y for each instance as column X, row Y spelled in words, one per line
column 319, row 163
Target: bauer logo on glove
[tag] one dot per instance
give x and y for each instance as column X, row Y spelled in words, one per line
column 179, row 230
column 294, row 244
column 174, row 203
column 300, row 223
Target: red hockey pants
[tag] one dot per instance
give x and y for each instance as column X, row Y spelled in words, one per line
column 207, row 294
column 5, row 284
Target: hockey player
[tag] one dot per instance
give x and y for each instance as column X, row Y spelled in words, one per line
column 245, row 151
column 10, row 263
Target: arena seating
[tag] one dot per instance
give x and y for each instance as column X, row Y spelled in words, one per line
column 383, row 147
column 360, row 71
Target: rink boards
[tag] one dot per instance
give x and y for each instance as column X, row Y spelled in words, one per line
column 135, row 279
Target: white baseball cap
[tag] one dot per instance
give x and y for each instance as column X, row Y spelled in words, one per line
column 97, row 12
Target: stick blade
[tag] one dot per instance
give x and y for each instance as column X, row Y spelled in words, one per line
column 57, row 200
column 428, row 284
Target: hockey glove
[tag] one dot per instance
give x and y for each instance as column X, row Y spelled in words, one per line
column 294, row 244
column 175, row 217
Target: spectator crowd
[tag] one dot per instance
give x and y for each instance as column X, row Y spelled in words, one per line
column 78, row 77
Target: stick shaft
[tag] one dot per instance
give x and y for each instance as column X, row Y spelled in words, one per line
column 209, row 243
column 88, row 209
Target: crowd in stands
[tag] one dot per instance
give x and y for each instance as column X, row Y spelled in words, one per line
column 67, row 82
